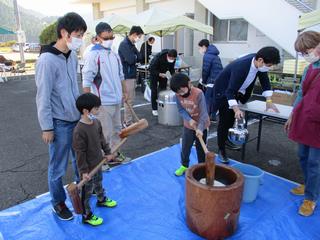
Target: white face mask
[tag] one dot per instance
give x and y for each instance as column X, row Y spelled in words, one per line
column 264, row 68
column 136, row 40
column 75, row 43
column 202, row 51
column 170, row 60
column 107, row 43
column 311, row 57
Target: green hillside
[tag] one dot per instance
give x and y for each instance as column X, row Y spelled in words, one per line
column 32, row 22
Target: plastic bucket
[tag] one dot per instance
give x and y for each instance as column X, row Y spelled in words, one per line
column 252, row 180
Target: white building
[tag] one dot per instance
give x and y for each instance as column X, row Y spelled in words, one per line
column 240, row 26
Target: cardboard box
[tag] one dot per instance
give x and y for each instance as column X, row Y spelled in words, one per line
column 284, row 98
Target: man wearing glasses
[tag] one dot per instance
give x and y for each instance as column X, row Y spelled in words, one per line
column 103, row 76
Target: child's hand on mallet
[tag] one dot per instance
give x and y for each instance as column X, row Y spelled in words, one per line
column 86, row 176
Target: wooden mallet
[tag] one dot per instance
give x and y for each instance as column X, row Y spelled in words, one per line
column 210, row 163
column 74, row 189
column 134, row 128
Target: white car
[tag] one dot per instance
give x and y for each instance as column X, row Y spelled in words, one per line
column 15, row 47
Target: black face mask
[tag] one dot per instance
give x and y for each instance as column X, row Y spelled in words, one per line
column 187, row 94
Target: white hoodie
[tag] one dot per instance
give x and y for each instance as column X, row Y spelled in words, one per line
column 102, row 72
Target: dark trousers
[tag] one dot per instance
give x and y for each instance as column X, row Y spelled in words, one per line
column 226, row 121
column 156, row 84
column 188, row 138
column 94, row 184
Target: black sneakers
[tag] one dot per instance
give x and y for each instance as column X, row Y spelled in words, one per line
column 62, row 211
column 223, row 157
column 232, row 146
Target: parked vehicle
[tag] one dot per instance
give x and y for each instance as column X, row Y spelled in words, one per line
column 15, row 47
column 27, row 47
column 33, row 47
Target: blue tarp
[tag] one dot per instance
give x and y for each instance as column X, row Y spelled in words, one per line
column 151, row 206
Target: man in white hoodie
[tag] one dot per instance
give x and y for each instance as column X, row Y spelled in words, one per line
column 103, row 76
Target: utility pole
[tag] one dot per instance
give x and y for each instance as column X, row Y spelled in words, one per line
column 20, row 34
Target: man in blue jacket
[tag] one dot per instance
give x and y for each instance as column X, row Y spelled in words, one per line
column 235, row 84
column 129, row 56
column 211, row 67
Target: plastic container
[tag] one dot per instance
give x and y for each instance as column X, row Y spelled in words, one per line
column 252, row 180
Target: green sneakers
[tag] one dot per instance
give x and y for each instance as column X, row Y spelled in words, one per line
column 107, row 202
column 180, row 171
column 93, row 220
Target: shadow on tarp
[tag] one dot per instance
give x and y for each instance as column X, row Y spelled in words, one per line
column 151, row 206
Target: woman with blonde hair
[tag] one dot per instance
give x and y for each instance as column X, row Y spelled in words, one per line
column 303, row 124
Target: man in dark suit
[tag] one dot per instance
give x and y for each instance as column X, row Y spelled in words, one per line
column 235, row 84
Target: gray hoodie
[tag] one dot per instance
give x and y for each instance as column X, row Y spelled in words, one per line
column 57, row 87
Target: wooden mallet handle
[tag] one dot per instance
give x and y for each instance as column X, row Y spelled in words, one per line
column 104, row 160
column 210, row 165
column 132, row 111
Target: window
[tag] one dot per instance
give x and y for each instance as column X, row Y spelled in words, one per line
column 238, row 30
column 230, row 30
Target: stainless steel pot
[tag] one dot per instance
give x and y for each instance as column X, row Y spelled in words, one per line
column 167, row 109
column 239, row 134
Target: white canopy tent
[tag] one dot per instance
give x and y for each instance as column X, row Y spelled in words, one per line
column 119, row 24
column 155, row 21
column 161, row 23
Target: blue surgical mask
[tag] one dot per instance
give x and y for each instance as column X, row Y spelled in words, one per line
column 92, row 116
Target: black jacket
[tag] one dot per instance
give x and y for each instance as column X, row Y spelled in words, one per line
column 143, row 53
column 129, row 56
column 160, row 64
column 230, row 80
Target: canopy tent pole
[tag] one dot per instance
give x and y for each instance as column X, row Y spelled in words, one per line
column 161, row 39
column 295, row 70
column 145, row 49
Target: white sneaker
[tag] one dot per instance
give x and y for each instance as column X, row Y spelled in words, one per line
column 155, row 113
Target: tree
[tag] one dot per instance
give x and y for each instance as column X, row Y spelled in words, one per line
column 49, row 34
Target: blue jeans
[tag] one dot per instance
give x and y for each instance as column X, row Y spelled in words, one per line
column 310, row 164
column 60, row 150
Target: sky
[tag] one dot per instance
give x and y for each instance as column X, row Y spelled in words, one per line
column 57, row 7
